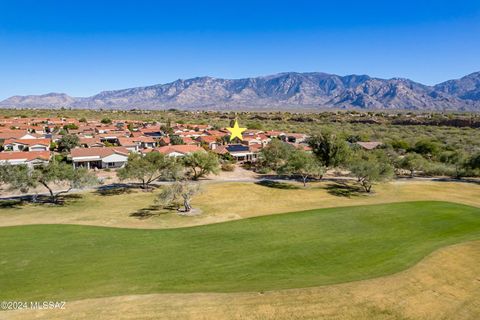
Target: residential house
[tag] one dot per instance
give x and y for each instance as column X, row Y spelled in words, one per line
column 101, row 158
column 30, row 158
column 128, row 143
column 27, row 144
column 145, row 142
column 242, row 152
column 164, row 141
column 137, row 143
column 294, row 137
column 217, row 133
column 91, row 143
column 188, row 140
column 370, row 145
column 151, row 132
column 179, row 150
column 210, row 141
column 15, row 134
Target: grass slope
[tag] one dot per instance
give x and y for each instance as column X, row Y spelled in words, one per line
column 444, row 285
column 300, row 249
column 227, row 201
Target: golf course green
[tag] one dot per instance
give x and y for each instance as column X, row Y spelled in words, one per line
column 298, row 249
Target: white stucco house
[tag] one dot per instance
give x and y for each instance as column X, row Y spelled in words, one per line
column 100, row 158
column 27, row 144
column 29, row 158
column 179, row 150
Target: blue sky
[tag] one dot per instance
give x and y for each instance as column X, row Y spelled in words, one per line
column 83, row 47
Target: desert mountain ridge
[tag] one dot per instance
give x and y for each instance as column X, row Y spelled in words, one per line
column 288, row 90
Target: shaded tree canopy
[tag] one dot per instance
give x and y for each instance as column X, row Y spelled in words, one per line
column 275, row 154
column 176, row 140
column 149, row 168
column 201, row 163
column 68, row 142
column 369, row 168
column 412, row 162
column 177, row 194
column 54, row 174
column 331, row 150
column 302, row 164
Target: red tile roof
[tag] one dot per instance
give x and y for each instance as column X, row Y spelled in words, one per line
column 255, row 147
column 90, row 141
column 12, row 134
column 100, row 152
column 216, row 133
column 188, row 140
column 207, row 139
column 144, row 139
column 29, row 142
column 127, row 142
column 182, row 148
column 28, row 156
column 165, row 140
column 220, row 150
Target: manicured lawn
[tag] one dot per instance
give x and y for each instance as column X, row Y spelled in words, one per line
column 227, row 201
column 310, row 248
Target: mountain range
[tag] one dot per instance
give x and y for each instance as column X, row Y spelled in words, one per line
column 289, row 90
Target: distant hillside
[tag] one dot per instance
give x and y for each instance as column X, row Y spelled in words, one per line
column 288, row 90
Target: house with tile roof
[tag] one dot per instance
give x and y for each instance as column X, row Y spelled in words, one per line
column 91, row 143
column 128, row 143
column 370, row 145
column 179, row 150
column 29, row 158
column 211, row 141
column 294, row 137
column 99, row 158
column 242, row 152
column 15, row 134
column 27, row 144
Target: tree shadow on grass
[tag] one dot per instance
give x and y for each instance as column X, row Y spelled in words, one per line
column 61, row 200
column 148, row 212
column 11, row 204
column 277, row 185
column 114, row 190
column 342, row 189
column 17, row 202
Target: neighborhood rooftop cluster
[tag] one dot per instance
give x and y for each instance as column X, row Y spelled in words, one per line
column 107, row 143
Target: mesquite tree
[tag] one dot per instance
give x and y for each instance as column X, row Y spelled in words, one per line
column 178, row 193
column 303, row 164
column 51, row 176
column 149, row 168
column 201, row 163
column 56, row 173
column 370, row 168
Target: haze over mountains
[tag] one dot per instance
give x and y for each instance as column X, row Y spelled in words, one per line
column 288, row 90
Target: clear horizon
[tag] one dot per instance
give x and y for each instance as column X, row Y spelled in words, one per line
column 82, row 49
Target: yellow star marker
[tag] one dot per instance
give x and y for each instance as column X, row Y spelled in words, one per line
column 236, row 131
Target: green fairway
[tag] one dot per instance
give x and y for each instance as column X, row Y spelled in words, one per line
column 310, row 248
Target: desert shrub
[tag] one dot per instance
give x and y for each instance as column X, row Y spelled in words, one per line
column 439, row 169
column 227, row 166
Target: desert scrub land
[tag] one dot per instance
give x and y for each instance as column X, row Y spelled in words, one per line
column 225, row 201
column 454, row 130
